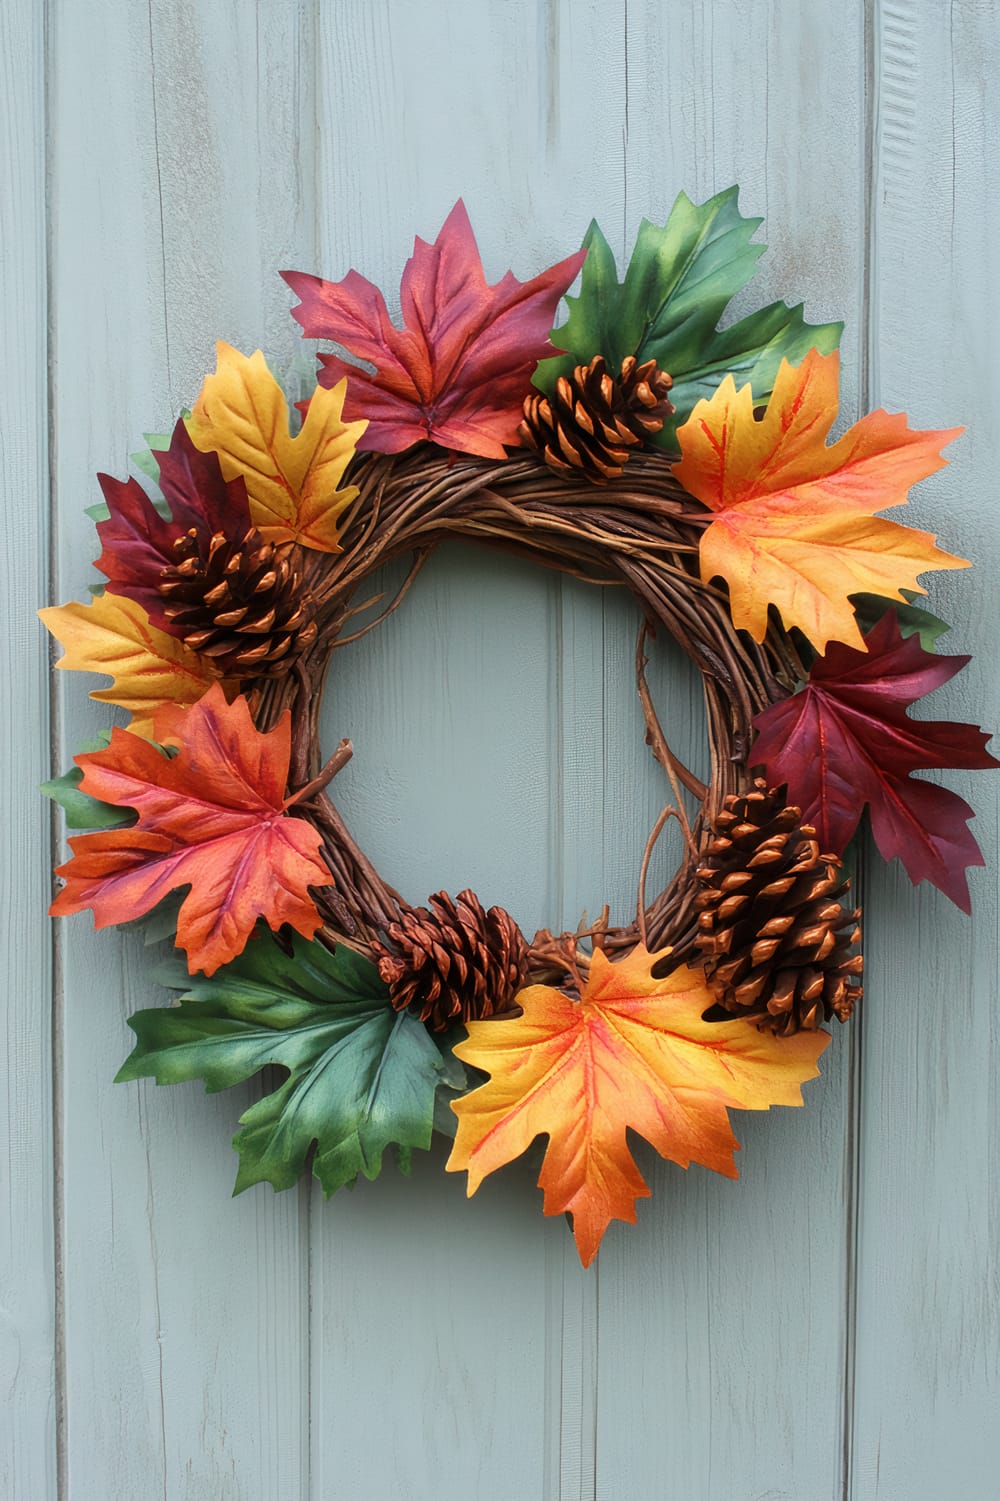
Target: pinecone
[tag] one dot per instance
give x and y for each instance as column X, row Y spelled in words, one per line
column 456, row 962
column 237, row 601
column 592, row 422
column 776, row 941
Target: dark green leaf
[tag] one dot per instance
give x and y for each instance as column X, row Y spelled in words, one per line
column 83, row 812
column 361, row 1076
column 679, row 282
column 160, row 923
column 913, row 620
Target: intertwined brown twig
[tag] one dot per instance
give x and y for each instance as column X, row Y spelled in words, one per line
column 640, row 532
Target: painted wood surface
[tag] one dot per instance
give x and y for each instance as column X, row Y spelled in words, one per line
column 827, row 1327
column 27, row 1288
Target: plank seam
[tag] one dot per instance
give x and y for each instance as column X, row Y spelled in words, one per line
column 54, row 731
column 855, row 1094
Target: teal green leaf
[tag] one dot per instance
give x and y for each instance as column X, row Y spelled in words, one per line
column 148, row 464
column 913, row 619
column 145, row 460
column 159, row 924
column 83, row 812
column 679, row 282
column 361, row 1076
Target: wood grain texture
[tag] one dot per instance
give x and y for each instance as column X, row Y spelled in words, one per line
column 724, row 1319
column 468, row 772
column 175, row 171
column 27, row 1291
column 744, row 1342
column 927, row 1415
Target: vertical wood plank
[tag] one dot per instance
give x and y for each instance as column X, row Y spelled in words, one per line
column 928, row 1376
column 476, row 713
column 724, row 1315
column 176, row 172
column 27, row 1329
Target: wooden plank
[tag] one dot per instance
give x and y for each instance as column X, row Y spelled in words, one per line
column 724, row 1314
column 176, row 172
column 476, row 716
column 27, row 1295
column 928, row 1383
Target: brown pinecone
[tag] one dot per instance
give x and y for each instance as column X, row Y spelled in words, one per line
column 775, row 940
column 592, row 422
column 456, row 962
column 237, row 601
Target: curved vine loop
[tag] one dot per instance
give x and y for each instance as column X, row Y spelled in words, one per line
column 641, row 533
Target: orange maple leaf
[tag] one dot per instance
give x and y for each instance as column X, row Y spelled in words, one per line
column 795, row 519
column 213, row 817
column 632, row 1054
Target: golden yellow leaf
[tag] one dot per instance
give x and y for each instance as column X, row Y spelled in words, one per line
column 632, row 1054
column 115, row 636
column 294, row 484
column 795, row 523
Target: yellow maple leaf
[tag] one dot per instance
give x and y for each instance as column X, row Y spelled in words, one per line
column 795, row 519
column 294, row 484
column 632, row 1054
column 115, row 636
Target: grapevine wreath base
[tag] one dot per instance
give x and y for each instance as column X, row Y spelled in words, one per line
column 635, row 446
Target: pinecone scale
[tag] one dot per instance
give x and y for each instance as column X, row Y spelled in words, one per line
column 238, row 601
column 777, row 943
column 454, row 961
column 593, row 422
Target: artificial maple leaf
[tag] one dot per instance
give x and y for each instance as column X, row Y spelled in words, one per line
column 214, row 817
column 632, row 1054
column 293, row 483
column 845, row 740
column 361, row 1076
column 458, row 370
column 795, row 524
column 679, row 282
column 139, row 542
column 114, row 635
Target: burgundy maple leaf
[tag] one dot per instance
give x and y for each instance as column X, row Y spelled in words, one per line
column 139, row 543
column 845, row 740
column 458, row 370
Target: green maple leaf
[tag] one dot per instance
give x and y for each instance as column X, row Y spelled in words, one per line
column 679, row 282
column 913, row 619
column 83, row 812
column 361, row 1076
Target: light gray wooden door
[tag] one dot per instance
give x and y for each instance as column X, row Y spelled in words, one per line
column 827, row 1327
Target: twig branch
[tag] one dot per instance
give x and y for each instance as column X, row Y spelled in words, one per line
column 675, row 769
column 418, row 562
column 640, row 902
column 337, row 762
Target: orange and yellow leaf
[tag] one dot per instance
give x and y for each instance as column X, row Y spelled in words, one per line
column 213, row 818
column 294, row 484
column 115, row 636
column 795, row 522
column 632, row 1054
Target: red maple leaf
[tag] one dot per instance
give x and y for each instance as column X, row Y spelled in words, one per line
column 458, row 370
column 139, row 542
column 845, row 740
column 213, row 817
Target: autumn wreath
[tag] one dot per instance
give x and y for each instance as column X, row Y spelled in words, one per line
column 642, row 447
